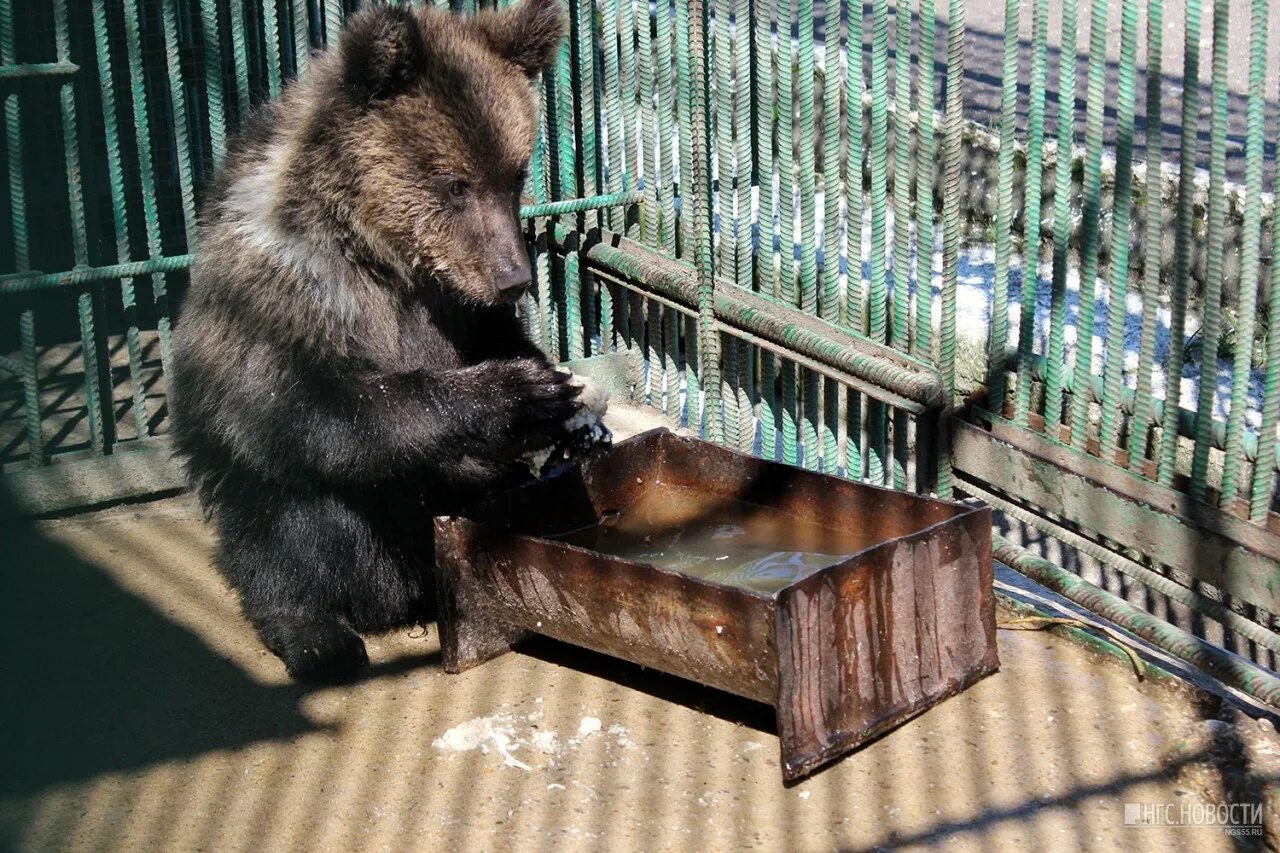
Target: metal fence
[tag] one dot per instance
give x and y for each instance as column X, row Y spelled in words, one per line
column 776, row 208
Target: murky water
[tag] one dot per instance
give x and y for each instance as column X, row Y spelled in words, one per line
column 723, row 540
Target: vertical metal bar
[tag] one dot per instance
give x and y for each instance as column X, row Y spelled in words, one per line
column 97, row 374
column 1085, row 309
column 900, row 327
column 271, row 38
column 786, row 290
column 832, row 85
column 854, row 315
column 951, row 224
column 332, row 20
column 1118, row 296
column 1167, row 450
column 1250, row 240
column 1032, row 210
column 770, row 411
column 649, row 135
column 1061, row 218
column 1210, row 331
column 240, row 58
column 996, row 346
column 811, row 417
column 789, row 400
column 744, row 273
column 215, row 99
column 708, row 337
column 301, row 36
column 722, row 123
column 853, row 435
column 120, row 216
column 765, row 103
column 611, row 112
column 877, row 292
column 1140, row 421
column 21, row 241
column 666, row 113
column 922, row 345
column 178, row 108
column 631, row 137
column 808, row 293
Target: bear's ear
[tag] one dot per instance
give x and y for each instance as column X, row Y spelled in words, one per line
column 382, row 52
column 526, row 34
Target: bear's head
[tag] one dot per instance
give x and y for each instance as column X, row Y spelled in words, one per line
column 439, row 119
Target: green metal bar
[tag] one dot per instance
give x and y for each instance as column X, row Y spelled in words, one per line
column 32, row 70
column 611, row 112
column 271, row 39
column 922, row 344
column 332, row 20
column 742, row 264
column 899, row 331
column 649, row 134
column 1140, row 422
column 215, row 99
column 240, row 57
column 999, row 331
column 786, row 289
column 854, row 316
column 763, row 63
column 120, row 216
column 178, row 107
column 770, row 413
column 1251, row 240
column 29, row 282
column 99, row 413
column 722, row 123
column 853, row 435
column 146, row 172
column 1166, row 452
column 1210, row 331
column 663, row 84
column 301, row 36
column 708, row 338
column 1201, row 653
column 1126, row 99
column 1032, row 207
column 951, row 224
column 808, row 291
column 828, row 307
column 1085, row 306
column 877, row 289
column 1264, row 475
column 578, row 205
column 1061, row 216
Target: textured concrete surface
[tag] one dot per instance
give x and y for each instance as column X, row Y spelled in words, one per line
column 141, row 713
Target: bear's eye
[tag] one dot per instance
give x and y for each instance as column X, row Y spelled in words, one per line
column 458, row 188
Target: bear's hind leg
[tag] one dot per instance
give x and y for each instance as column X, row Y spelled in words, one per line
column 324, row 650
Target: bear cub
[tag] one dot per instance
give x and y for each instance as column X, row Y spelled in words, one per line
column 348, row 362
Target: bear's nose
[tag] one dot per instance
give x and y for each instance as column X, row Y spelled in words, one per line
column 513, row 282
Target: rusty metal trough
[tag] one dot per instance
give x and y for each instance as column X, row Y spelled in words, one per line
column 887, row 609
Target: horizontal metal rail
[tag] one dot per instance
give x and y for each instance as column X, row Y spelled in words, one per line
column 1220, row 663
column 38, row 69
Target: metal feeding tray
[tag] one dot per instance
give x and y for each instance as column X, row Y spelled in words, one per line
column 848, row 608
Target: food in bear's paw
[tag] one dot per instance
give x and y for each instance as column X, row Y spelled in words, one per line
column 585, row 432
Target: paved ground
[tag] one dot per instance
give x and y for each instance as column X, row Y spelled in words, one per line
column 144, row 715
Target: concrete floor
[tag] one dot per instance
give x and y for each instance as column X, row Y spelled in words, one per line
column 143, row 714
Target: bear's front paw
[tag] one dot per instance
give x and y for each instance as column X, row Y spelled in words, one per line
column 326, row 652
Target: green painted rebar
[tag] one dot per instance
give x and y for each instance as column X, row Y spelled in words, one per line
column 951, row 223
column 631, row 139
column 1061, row 217
column 785, row 105
column 722, row 123
column 271, row 43
column 332, row 20
column 586, row 116
column 178, row 110
column 708, row 338
column 98, row 411
column 832, row 84
column 790, row 398
column 301, row 36
column 240, row 58
column 1095, row 103
column 1032, row 207
column 770, row 416
column 120, row 216
column 1250, row 240
column 649, row 135
column 687, row 363
column 1264, row 475
column 673, row 368
column 763, row 64
column 743, row 267
column 215, row 99
column 877, row 293
column 854, row 84
column 611, row 112
column 900, row 325
column 1210, row 331
column 146, row 171
column 663, row 85
column 1185, row 212
column 999, row 331
column 808, row 290
column 29, row 70
column 1118, row 295
column 853, row 435
column 578, row 205
column 922, row 343
column 1140, row 422
column 21, row 242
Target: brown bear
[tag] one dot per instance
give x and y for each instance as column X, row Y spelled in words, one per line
column 348, row 362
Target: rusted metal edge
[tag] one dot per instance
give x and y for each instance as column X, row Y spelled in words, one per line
column 883, row 373
column 1221, row 664
column 1203, row 543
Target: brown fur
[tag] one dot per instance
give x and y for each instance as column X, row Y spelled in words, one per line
column 347, row 363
